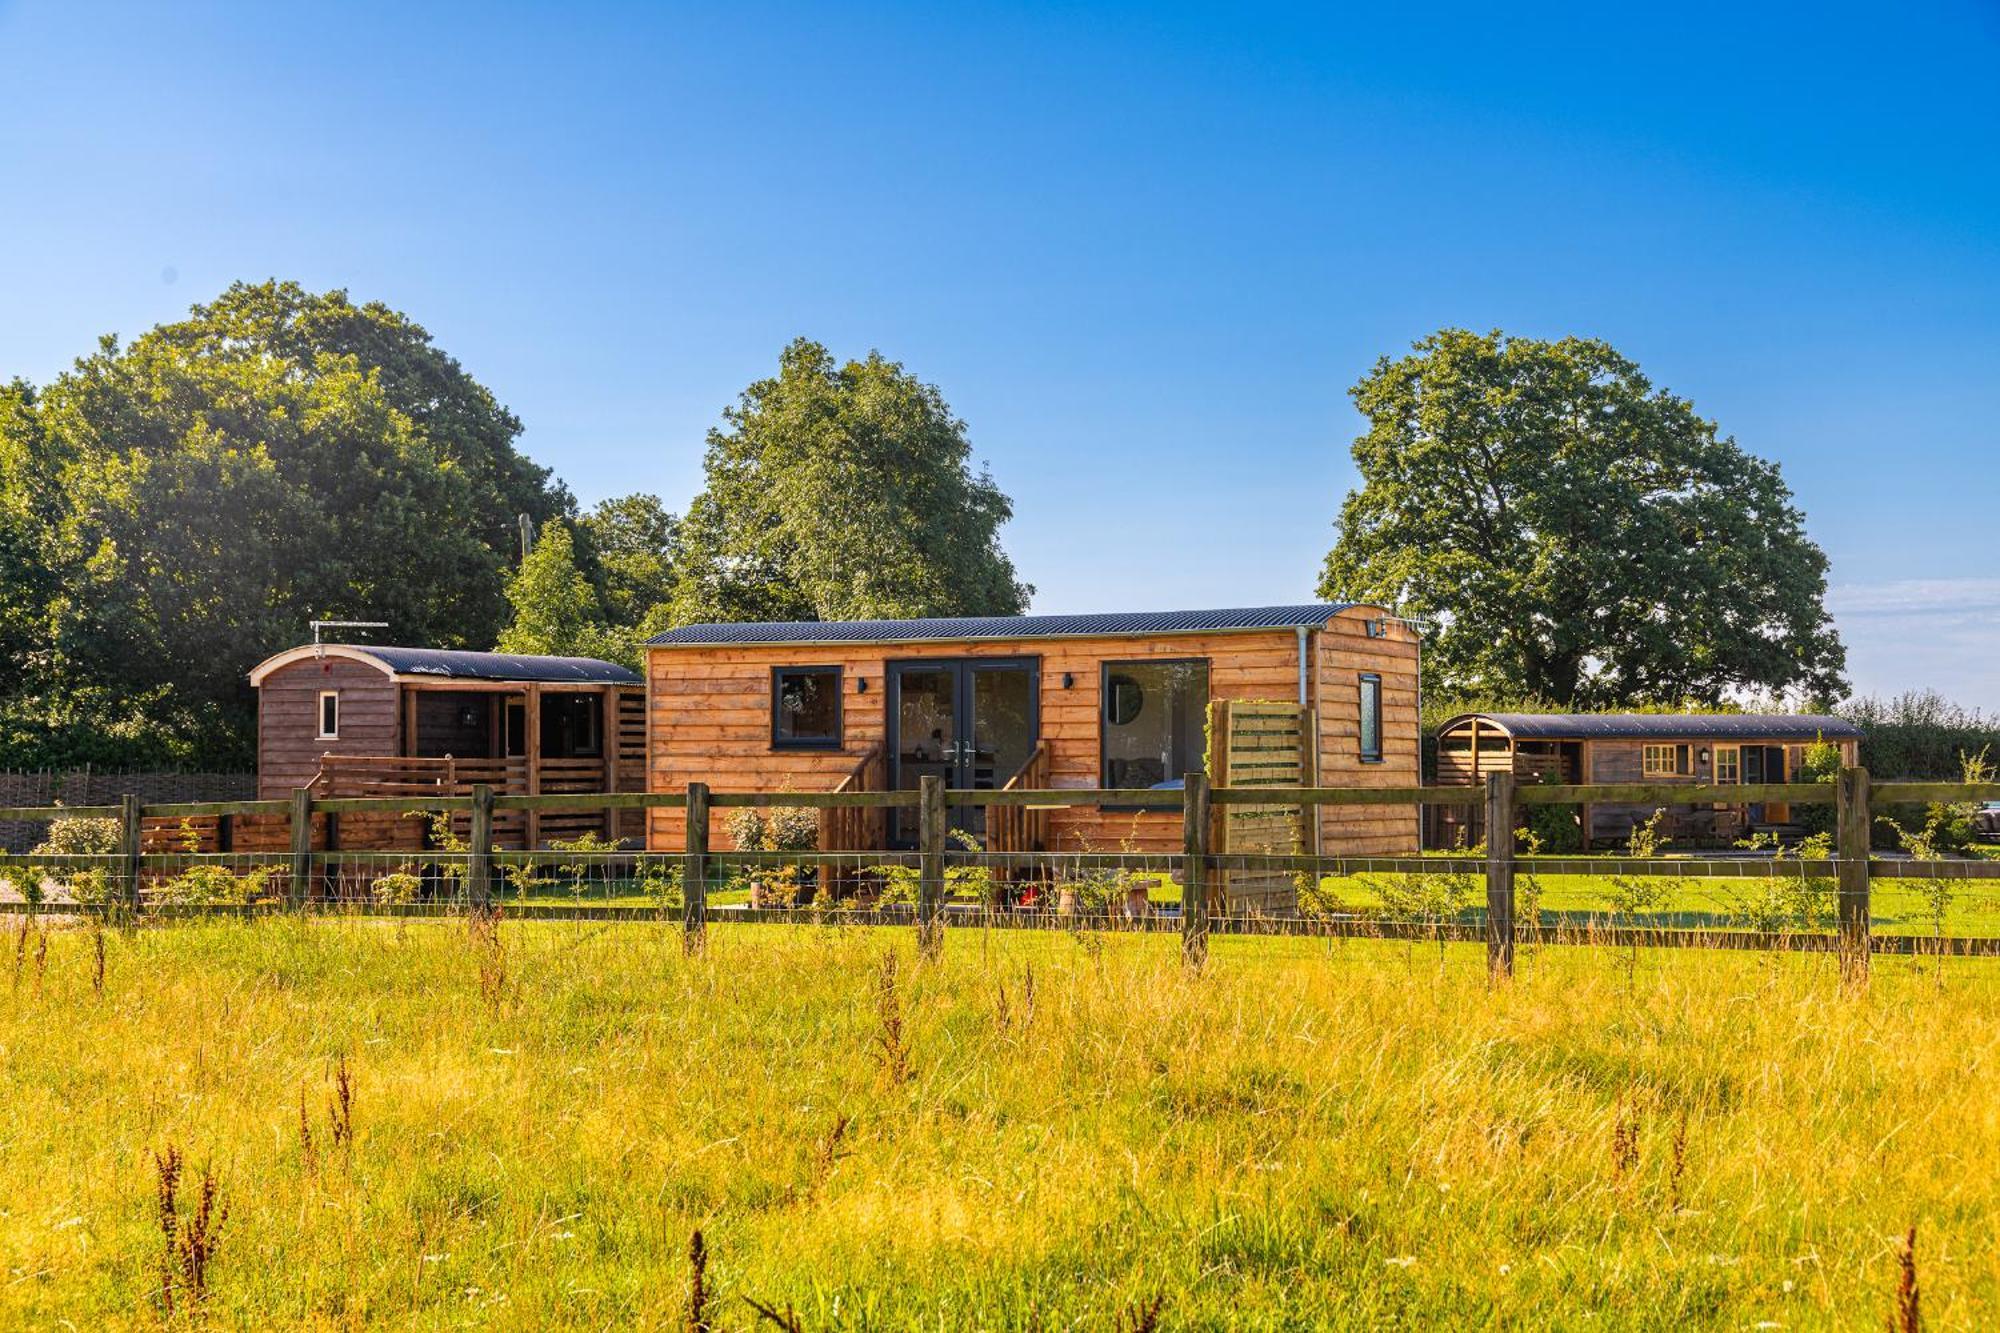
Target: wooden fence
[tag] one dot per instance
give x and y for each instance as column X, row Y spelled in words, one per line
column 1200, row 864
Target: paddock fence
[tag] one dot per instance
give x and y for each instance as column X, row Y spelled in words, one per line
column 188, row 859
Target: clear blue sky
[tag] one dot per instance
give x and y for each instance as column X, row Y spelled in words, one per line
column 1145, row 251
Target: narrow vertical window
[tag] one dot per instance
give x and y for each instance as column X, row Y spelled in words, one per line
column 1371, row 718
column 329, row 715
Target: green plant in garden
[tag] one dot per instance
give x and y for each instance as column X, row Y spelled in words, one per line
column 214, row 886
column 1528, row 884
column 444, row 837
column 590, row 849
column 74, row 835
column 398, row 888
column 1557, row 829
column 1800, row 901
column 1630, row 895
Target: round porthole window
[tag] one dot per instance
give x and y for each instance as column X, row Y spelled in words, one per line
column 1125, row 699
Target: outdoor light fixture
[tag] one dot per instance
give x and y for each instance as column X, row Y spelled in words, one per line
column 466, row 717
column 1068, row 680
column 860, row 685
column 1704, row 754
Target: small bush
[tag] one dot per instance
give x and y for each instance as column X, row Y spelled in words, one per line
column 79, row 837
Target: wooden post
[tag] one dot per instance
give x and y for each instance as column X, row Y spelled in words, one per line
column 1500, row 875
column 1195, row 817
column 930, row 865
column 130, row 834
column 1851, row 841
column 533, row 739
column 302, row 845
column 479, row 861
column 694, row 871
column 607, row 745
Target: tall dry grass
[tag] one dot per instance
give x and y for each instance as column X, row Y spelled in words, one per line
column 1304, row 1135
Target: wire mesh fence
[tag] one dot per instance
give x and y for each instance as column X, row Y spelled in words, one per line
column 1833, row 895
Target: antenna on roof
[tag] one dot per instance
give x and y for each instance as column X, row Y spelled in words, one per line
column 318, row 625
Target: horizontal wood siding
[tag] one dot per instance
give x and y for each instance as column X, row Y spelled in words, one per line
column 711, row 717
column 288, row 744
column 1345, row 651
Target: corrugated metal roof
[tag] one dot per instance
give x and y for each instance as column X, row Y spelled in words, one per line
column 1668, row 726
column 946, row 629
column 457, row 665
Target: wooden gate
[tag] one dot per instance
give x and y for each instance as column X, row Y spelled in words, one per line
column 1260, row 743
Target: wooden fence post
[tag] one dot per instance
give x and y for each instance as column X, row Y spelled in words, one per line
column 694, row 871
column 1195, row 815
column 479, row 860
column 130, row 846
column 301, row 826
column 1500, row 875
column 1851, row 842
column 930, row 863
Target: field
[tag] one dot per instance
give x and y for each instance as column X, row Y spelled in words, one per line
column 1308, row 1133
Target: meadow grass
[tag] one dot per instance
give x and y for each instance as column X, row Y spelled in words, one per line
column 1309, row 1133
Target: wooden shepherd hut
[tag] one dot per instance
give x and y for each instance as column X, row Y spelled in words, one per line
column 371, row 720
column 1714, row 749
column 1317, row 694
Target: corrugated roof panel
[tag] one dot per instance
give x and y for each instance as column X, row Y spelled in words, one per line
column 458, row 665
column 1669, row 726
column 946, row 629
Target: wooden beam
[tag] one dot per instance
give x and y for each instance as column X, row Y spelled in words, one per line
column 533, row 740
column 1500, row 876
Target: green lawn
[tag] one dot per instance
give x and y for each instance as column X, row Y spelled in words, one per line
column 1311, row 1134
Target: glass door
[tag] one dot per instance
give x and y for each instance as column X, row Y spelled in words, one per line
column 971, row 722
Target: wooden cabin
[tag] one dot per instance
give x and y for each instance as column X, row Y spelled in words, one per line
column 1721, row 749
column 371, row 720
column 1324, row 693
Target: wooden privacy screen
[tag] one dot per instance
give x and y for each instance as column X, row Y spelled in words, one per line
column 1260, row 743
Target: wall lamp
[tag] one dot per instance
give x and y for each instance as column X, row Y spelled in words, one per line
column 1069, row 679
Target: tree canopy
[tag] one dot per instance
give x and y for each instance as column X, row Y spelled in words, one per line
column 194, row 498
column 556, row 608
column 838, row 492
column 1571, row 532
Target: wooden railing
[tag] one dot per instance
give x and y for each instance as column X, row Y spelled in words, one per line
column 359, row 775
column 857, row 828
column 1021, row 828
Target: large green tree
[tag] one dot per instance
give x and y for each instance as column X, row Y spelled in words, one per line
column 1572, row 533
column 633, row 541
column 279, row 455
column 843, row 492
column 557, row 610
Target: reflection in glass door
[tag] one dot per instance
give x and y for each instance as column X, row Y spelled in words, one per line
column 971, row 722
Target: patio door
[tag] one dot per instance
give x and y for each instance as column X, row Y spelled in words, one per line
column 971, row 721
column 1761, row 764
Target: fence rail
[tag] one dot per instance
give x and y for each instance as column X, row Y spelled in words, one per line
column 463, row 873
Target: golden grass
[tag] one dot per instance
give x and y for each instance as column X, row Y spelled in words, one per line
column 1309, row 1134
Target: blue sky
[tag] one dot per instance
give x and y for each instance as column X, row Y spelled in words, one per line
column 1144, row 250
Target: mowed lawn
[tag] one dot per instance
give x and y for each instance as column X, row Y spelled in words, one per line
column 1310, row 1133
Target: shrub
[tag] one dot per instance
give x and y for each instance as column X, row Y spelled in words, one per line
column 398, row 888
column 79, row 837
column 213, row 885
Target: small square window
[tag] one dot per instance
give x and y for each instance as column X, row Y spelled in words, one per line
column 805, row 708
column 329, row 715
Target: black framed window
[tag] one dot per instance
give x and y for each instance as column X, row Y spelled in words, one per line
column 1371, row 718
column 1153, row 722
column 572, row 725
column 805, row 708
